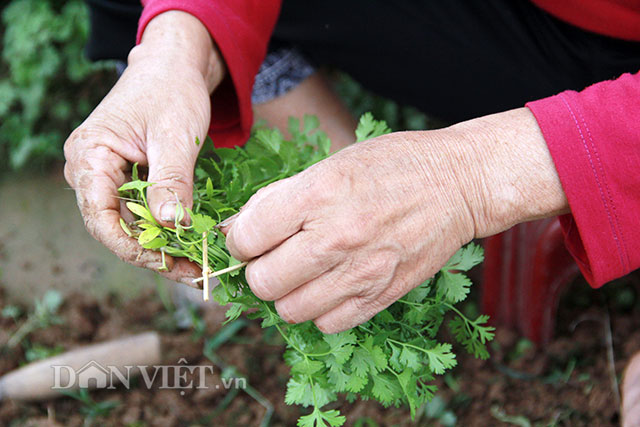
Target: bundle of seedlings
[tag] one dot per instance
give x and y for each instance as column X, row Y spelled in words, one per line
column 392, row 358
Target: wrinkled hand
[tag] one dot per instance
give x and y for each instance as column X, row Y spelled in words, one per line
column 152, row 116
column 344, row 239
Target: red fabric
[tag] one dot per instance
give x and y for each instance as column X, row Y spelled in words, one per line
column 241, row 30
column 614, row 18
column 594, row 139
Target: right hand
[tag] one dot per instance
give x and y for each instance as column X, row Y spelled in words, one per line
column 151, row 116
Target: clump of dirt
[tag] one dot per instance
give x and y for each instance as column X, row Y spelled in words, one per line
column 566, row 382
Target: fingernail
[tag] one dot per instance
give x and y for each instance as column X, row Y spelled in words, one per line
column 227, row 222
column 168, row 211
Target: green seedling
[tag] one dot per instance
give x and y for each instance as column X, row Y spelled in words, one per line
column 228, row 371
column 516, row 420
column 91, row 409
column 12, row 312
column 35, row 352
column 392, row 358
column 45, row 314
column 436, row 410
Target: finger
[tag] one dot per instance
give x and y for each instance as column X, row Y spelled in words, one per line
column 352, row 312
column 183, row 271
column 102, row 220
column 171, row 166
column 95, row 173
column 296, row 261
column 356, row 310
column 271, row 216
column 315, row 298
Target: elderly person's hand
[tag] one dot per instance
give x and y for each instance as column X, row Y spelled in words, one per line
column 349, row 236
column 152, row 116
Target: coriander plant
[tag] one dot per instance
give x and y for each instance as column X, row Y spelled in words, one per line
column 392, row 358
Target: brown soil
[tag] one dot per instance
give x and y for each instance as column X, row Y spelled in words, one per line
column 567, row 382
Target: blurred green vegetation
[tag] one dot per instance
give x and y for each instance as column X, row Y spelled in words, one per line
column 398, row 117
column 47, row 87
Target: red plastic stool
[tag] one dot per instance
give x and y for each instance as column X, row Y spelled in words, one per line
column 525, row 270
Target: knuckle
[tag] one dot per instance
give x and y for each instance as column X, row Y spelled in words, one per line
column 171, row 174
column 238, row 245
column 320, row 250
column 258, row 282
column 352, row 234
column 325, row 327
column 378, row 267
column 68, row 174
column 285, row 312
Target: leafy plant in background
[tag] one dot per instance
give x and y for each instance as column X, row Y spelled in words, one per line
column 44, row 314
column 45, row 81
column 392, row 358
column 398, row 117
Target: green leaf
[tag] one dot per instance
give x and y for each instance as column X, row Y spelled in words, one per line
column 441, row 358
column 125, row 228
column 209, row 188
column 466, row 258
column 386, row 388
column 454, row 286
column 362, row 362
column 410, row 358
column 320, row 418
column 148, row 235
column 140, row 211
column 336, row 375
column 369, row 128
column 356, row 383
column 157, row 243
column 310, row 122
column 201, row 223
column 232, row 262
column 341, row 345
column 407, row 381
column 307, row 367
column 298, row 392
column 135, row 185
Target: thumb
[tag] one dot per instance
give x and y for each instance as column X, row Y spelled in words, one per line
column 171, row 167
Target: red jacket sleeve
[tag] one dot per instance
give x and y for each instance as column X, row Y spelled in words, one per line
column 241, row 29
column 594, row 139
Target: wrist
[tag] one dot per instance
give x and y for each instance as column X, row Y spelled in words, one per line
column 181, row 42
column 507, row 175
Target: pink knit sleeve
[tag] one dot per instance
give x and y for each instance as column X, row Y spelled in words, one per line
column 594, row 139
column 241, row 30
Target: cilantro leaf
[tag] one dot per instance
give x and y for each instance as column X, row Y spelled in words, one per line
column 201, row 223
column 465, row 258
column 454, row 286
column 369, row 128
column 441, row 358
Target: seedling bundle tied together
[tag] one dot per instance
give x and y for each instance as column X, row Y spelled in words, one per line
column 392, row 358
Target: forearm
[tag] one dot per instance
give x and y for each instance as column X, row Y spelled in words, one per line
column 504, row 171
column 312, row 96
column 181, row 40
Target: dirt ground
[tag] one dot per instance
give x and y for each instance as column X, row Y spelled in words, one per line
column 566, row 383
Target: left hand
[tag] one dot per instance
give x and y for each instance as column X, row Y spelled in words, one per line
column 346, row 238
